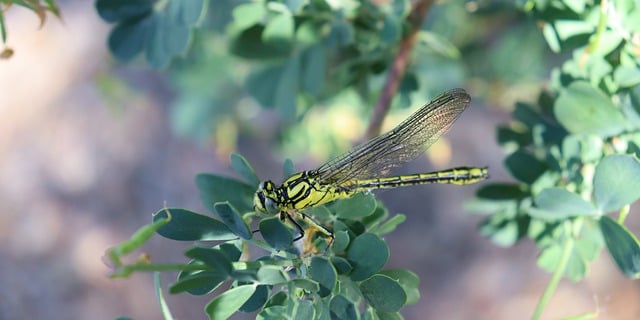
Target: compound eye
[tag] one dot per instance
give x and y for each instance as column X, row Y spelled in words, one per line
column 263, row 200
column 258, row 200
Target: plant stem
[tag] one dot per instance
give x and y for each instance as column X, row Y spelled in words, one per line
column 557, row 275
column 398, row 67
column 623, row 214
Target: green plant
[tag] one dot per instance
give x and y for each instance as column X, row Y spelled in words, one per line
column 573, row 153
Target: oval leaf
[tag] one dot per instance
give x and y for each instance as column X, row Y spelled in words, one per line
column 323, row 271
column 409, row 282
column 272, row 275
column 257, row 300
column 581, row 108
column 360, row 205
column 117, row 10
column 616, row 182
column 241, row 166
column 211, row 257
column 275, row 233
column 226, row 304
column 557, row 203
column 383, row 293
column 367, row 254
column 198, row 283
column 232, row 219
column 341, row 308
column 623, row 246
column 186, row 225
column 128, row 38
column 214, row 188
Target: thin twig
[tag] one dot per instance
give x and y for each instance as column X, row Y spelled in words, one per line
column 398, row 67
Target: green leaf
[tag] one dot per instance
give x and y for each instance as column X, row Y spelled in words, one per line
column 241, row 166
column 409, row 282
column 389, row 225
column 262, row 83
column 627, row 76
column 571, row 28
column 581, row 108
column 287, row 89
column 322, row 270
column 279, row 30
column 214, row 188
column 549, row 257
column 342, row 309
column 623, row 246
column 186, row 225
column 273, row 312
column 128, row 38
column 341, row 264
column 306, row 284
column 198, row 283
column 275, row 233
column 213, row 258
column 167, row 38
column 248, row 14
column 340, row 241
column 258, row 299
column 583, row 248
column 559, row 204
column 248, row 44
column 304, row 310
column 504, row 229
column 524, row 166
column 314, row 66
column 117, row 10
column 495, row 197
column 187, row 13
column 288, row 169
column 391, row 29
column 232, row 219
column 360, row 205
column 272, row 275
column 616, row 182
column 227, row 303
column 367, row 254
column 383, row 293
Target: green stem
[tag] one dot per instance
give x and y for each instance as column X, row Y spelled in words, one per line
column 557, row 275
column 623, row 214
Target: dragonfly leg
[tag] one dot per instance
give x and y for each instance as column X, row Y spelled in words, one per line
column 286, row 216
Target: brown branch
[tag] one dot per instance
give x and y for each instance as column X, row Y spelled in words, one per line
column 398, row 67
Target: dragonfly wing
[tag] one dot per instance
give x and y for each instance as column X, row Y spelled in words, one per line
column 403, row 143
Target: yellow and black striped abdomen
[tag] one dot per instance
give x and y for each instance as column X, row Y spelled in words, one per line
column 459, row 176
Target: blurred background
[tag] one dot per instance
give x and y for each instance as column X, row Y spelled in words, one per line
column 90, row 147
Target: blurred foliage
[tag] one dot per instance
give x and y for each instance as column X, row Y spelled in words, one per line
column 39, row 7
column 573, row 152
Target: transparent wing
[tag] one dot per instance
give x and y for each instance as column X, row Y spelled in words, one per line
column 403, row 143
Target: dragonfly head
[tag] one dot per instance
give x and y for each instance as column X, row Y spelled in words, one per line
column 265, row 199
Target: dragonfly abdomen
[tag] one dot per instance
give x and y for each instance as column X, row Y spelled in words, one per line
column 459, row 176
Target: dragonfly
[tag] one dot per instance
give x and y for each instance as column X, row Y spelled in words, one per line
column 365, row 167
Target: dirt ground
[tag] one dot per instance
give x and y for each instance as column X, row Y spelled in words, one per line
column 80, row 173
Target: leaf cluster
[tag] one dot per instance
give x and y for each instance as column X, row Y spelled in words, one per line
column 574, row 154
column 307, row 279
column 39, row 7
